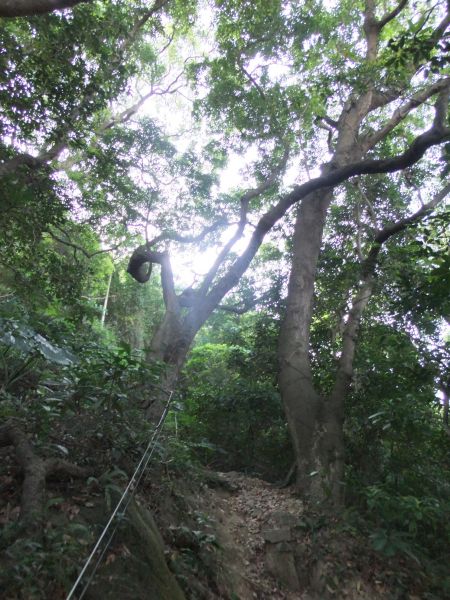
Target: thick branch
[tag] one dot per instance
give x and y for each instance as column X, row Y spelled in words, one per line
column 402, row 224
column 142, row 20
column 140, row 263
column 26, row 8
column 168, row 285
column 403, row 111
column 26, row 160
column 414, row 153
column 331, row 122
column 244, row 204
column 265, row 185
column 209, row 277
column 371, row 30
column 388, row 17
column 362, row 297
column 380, row 99
column 143, row 256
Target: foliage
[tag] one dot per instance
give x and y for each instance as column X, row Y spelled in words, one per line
column 133, row 310
column 81, row 401
column 232, row 414
column 398, row 463
column 241, row 82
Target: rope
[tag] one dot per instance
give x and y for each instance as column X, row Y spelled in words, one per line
column 130, row 491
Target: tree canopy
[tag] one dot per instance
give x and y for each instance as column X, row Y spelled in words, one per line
column 244, row 203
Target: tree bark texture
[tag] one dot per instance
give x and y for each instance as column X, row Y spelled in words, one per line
column 315, row 434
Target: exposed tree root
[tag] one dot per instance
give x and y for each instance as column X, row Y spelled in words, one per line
column 36, row 470
column 290, row 477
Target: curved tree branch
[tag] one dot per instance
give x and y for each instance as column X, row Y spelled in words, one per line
column 143, row 256
column 369, row 141
column 388, row 17
column 244, row 204
column 365, row 290
column 435, row 135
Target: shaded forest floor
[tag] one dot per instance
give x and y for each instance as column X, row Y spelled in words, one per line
column 270, row 546
column 245, row 515
column 227, row 536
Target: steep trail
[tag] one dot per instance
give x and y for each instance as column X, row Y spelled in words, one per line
column 250, row 516
column 275, row 547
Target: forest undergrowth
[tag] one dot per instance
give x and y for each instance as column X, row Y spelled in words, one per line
column 227, row 533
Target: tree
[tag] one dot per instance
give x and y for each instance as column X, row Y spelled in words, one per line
column 316, row 421
column 65, row 151
column 353, row 65
column 350, row 158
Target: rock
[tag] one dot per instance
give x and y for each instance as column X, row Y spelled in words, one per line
column 274, row 536
column 217, row 481
column 284, row 519
column 281, row 564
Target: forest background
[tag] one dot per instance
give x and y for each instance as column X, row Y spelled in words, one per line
column 245, row 203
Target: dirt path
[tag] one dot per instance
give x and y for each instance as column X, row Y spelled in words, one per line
column 245, row 515
column 273, row 550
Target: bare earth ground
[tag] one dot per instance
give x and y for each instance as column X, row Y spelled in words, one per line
column 241, row 518
column 273, row 547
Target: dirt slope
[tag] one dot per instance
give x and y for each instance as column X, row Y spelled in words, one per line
column 273, row 547
column 243, row 514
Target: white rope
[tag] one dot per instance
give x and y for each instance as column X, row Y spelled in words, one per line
column 134, row 479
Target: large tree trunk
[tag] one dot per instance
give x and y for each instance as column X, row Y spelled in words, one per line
column 170, row 345
column 315, row 424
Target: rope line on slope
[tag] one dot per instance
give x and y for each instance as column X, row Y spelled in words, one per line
column 127, row 494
